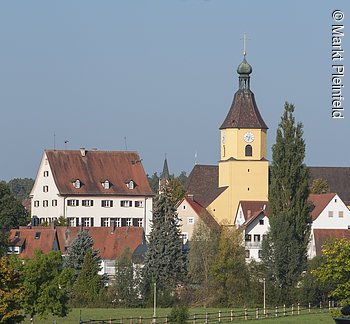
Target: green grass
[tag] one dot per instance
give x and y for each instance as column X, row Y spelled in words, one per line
column 135, row 313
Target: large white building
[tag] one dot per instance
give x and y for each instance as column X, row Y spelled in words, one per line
column 92, row 188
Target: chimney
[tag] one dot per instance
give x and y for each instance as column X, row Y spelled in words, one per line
column 190, row 196
column 264, row 207
column 82, row 151
column 249, row 212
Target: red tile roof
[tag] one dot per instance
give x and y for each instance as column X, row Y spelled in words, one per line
column 28, row 239
column 111, row 243
column 253, row 207
column 321, row 236
column 202, row 213
column 320, row 202
column 95, row 167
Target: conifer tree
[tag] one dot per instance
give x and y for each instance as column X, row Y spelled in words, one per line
column 77, row 251
column 88, row 284
column 285, row 246
column 165, row 261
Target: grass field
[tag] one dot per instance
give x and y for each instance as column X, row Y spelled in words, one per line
column 146, row 314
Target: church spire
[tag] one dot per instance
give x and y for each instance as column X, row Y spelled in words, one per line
column 244, row 69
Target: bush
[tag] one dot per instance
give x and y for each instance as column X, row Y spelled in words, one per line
column 179, row 315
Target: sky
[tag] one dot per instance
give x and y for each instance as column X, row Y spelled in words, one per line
column 158, row 77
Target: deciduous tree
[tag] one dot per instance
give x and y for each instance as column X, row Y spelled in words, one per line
column 46, row 285
column 335, row 269
column 285, row 246
column 11, row 293
column 319, row 186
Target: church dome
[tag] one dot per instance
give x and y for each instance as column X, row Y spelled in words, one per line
column 244, row 67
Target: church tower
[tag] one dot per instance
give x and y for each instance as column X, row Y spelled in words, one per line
column 243, row 167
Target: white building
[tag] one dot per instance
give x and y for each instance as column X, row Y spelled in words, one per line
column 253, row 217
column 92, row 188
column 329, row 215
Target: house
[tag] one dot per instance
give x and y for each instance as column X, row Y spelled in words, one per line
column 252, row 216
column 25, row 240
column 92, row 189
column 190, row 213
column 329, row 215
column 322, row 236
column 111, row 242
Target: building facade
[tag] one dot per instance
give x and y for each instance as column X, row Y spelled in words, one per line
column 92, row 188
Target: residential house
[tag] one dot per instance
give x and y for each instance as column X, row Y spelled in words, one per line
column 92, row 189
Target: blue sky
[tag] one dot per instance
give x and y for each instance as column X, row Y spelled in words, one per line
column 162, row 74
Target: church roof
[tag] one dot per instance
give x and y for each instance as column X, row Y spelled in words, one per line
column 92, row 168
column 165, row 174
column 338, row 179
column 244, row 112
column 203, row 184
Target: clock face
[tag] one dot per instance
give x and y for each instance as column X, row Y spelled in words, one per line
column 249, row 137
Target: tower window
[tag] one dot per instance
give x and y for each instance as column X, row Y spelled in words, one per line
column 248, row 150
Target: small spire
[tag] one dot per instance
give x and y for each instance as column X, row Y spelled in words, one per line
column 244, row 44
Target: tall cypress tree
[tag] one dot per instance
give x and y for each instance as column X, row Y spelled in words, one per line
column 165, row 262
column 285, row 246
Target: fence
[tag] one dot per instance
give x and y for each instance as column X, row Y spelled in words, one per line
column 223, row 317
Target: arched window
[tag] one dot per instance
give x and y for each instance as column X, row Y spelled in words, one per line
column 248, row 150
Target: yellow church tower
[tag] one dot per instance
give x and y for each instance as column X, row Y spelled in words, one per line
column 243, row 167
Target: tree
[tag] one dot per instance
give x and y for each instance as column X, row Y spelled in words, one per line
column 88, row 284
column 203, row 250
column 335, row 269
column 12, row 213
column 319, row 186
column 127, row 283
column 21, row 188
column 77, row 251
column 165, row 262
column 11, row 293
column 46, row 285
column 177, row 189
column 153, row 182
column 230, row 271
column 285, row 246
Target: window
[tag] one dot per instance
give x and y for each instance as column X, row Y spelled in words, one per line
column 77, row 184
column 184, row 237
column 46, row 174
column 45, row 203
column 256, row 238
column 139, row 203
column 126, row 203
column 18, row 233
column 45, row 188
column 118, row 222
column 87, row 203
column 248, row 237
column 340, row 214
column 105, row 222
column 184, row 207
column 247, row 254
column 36, row 203
column 107, row 203
column 106, row 184
column 190, row 220
column 139, row 222
column 54, row 202
column 128, row 222
column 330, row 213
column 248, row 150
column 37, row 235
column 71, row 221
column 72, row 202
column 85, row 221
column 131, row 184
column 259, row 254
column 261, row 222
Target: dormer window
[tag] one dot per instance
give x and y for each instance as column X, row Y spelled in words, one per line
column 130, row 184
column 77, row 184
column 106, row 184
